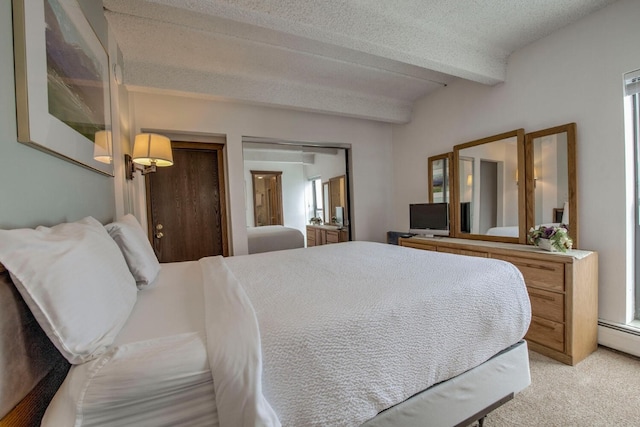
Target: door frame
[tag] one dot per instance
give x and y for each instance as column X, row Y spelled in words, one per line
column 199, row 146
column 278, row 175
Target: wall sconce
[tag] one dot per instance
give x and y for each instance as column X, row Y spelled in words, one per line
column 469, row 180
column 535, row 177
column 149, row 150
column 103, row 147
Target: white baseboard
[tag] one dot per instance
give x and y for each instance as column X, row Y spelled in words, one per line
column 616, row 337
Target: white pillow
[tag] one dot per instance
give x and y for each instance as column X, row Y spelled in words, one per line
column 135, row 247
column 76, row 282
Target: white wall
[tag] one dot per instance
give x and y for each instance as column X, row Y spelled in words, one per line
column 326, row 166
column 371, row 149
column 573, row 75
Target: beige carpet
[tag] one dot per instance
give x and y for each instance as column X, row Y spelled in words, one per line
column 602, row 390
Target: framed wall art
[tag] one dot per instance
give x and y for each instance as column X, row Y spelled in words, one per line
column 62, row 83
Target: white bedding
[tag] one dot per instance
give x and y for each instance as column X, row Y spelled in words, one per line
column 345, row 331
column 273, row 238
column 512, row 231
column 157, row 373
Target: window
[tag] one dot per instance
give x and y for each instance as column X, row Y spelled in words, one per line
column 316, row 199
column 632, row 113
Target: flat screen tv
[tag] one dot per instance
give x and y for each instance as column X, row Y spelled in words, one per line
column 429, row 219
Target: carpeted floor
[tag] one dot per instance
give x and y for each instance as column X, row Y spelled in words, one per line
column 602, row 390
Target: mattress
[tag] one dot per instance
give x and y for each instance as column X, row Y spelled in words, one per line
column 355, row 335
column 452, row 402
column 273, row 238
column 362, row 319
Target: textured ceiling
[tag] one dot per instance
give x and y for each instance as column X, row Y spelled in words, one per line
column 361, row 58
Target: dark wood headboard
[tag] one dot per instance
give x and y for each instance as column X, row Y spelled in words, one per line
column 31, row 368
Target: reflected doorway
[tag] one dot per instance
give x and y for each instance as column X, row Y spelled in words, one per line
column 267, row 196
column 488, row 217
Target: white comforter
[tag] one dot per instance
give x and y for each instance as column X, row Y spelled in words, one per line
column 342, row 332
column 358, row 327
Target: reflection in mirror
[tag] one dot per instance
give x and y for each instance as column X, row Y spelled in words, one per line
column 466, row 193
column 325, row 198
column 338, row 199
column 490, row 199
column 305, row 175
column 551, row 195
column 267, row 197
column 440, row 178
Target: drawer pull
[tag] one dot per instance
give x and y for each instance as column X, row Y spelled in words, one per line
column 538, row 266
column 547, row 297
column 550, row 328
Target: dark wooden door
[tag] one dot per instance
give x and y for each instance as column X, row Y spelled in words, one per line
column 186, row 204
column 267, row 198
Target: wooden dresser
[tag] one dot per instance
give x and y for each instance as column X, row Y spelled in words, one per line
column 563, row 290
column 321, row 235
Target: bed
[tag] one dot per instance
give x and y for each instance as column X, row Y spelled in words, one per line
column 560, row 216
column 509, row 231
column 273, row 238
column 514, row 231
column 356, row 333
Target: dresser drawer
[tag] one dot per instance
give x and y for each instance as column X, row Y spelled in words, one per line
column 332, row 236
column 543, row 274
column 547, row 305
column 546, row 332
column 462, row 252
column 424, row 247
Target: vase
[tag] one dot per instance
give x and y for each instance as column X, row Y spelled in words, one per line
column 546, row 245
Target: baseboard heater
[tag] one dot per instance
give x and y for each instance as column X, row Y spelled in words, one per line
column 618, row 327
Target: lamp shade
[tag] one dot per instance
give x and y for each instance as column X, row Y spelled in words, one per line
column 151, row 148
column 103, row 147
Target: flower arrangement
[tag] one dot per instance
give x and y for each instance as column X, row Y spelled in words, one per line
column 316, row 220
column 551, row 237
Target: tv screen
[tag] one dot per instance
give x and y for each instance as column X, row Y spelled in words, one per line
column 429, row 216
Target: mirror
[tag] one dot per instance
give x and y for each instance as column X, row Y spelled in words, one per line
column 338, row 200
column 325, row 198
column 551, row 178
column 305, row 171
column 440, row 178
column 440, row 181
column 465, row 192
column 267, row 194
column 490, row 189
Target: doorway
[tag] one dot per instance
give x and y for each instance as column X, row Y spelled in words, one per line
column 186, row 207
column 267, row 196
column 488, row 195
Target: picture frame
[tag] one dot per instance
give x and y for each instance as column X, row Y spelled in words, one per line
column 557, row 215
column 62, row 83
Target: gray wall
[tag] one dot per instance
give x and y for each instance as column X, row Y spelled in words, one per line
column 37, row 188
